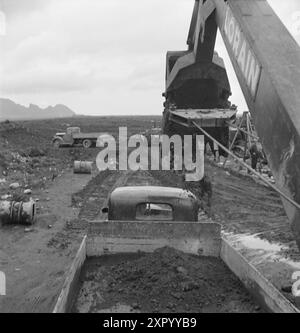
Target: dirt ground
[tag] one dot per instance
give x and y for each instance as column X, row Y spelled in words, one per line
column 240, row 204
column 252, row 219
column 35, row 261
column 164, row 281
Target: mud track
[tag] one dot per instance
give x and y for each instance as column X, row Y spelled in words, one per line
column 36, row 262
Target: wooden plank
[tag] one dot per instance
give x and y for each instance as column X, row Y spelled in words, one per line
column 262, row 290
column 117, row 237
column 70, row 284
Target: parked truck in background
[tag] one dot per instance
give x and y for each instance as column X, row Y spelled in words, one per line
column 74, row 137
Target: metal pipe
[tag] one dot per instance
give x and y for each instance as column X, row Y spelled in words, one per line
column 242, row 130
column 294, row 203
column 233, row 141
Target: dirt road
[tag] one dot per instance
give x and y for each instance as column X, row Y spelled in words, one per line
column 36, row 262
column 240, row 204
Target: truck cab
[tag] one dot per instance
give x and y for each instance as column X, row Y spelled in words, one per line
column 65, row 138
column 152, row 203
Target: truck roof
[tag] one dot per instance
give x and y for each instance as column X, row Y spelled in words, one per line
column 123, row 202
column 142, row 193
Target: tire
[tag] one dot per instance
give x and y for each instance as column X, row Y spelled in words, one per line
column 56, row 143
column 87, row 143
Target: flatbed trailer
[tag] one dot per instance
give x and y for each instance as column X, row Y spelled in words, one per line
column 194, row 238
column 92, row 136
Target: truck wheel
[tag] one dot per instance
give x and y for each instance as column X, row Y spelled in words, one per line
column 87, row 143
column 56, row 143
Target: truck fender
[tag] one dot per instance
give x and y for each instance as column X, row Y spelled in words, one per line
column 57, row 139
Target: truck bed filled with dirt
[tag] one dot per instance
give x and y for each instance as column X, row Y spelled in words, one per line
column 166, row 280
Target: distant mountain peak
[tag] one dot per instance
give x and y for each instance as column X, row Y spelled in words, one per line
column 13, row 111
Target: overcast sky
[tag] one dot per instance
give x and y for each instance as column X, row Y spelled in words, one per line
column 101, row 57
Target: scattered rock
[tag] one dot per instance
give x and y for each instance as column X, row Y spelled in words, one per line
column 36, row 152
column 189, row 285
column 14, row 186
column 6, row 196
column 171, row 306
column 182, row 270
column 136, row 306
column 176, row 295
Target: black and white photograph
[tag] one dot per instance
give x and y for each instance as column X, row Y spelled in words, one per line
column 149, row 159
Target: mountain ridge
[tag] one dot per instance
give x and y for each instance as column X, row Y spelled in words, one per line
column 9, row 110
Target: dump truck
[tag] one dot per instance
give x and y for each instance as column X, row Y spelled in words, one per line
column 74, row 137
column 107, row 241
column 143, row 256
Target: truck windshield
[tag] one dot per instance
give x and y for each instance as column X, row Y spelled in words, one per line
column 154, row 211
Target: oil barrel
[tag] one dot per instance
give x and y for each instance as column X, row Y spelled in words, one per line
column 14, row 212
column 83, row 167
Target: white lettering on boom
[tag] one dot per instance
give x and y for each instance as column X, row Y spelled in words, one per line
column 241, row 50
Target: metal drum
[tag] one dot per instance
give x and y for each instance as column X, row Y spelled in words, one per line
column 13, row 212
column 83, row 167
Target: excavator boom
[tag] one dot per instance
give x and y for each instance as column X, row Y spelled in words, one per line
column 266, row 59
